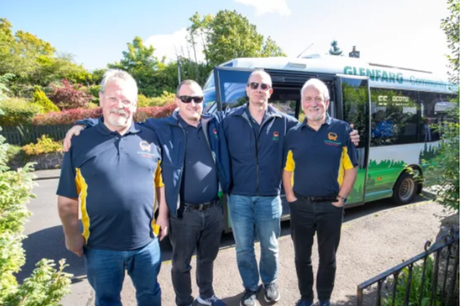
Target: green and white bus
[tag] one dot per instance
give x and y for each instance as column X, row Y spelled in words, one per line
column 394, row 110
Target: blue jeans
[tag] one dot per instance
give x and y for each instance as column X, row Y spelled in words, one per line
column 251, row 216
column 105, row 270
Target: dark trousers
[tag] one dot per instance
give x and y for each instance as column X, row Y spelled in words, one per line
column 325, row 219
column 200, row 231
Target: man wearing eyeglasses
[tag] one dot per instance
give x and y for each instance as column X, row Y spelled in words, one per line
column 195, row 170
column 118, row 212
column 255, row 133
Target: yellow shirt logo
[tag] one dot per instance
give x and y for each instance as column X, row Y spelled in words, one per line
column 332, row 136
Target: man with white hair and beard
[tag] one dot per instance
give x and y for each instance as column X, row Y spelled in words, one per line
column 320, row 170
column 118, row 212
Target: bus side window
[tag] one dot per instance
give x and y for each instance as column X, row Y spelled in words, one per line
column 435, row 110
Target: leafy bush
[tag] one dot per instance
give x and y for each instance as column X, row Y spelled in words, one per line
column 94, row 91
column 17, row 111
column 45, row 104
column 144, row 113
column 67, row 97
column 47, row 285
column 66, row 117
column 446, row 164
column 164, row 99
column 73, row 115
column 92, row 105
column 44, row 144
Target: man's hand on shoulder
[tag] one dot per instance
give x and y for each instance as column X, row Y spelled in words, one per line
column 354, row 136
column 74, row 131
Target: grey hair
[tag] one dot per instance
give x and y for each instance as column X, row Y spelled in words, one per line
column 319, row 85
column 112, row 75
column 260, row 71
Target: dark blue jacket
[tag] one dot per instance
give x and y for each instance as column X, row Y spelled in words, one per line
column 172, row 140
column 256, row 162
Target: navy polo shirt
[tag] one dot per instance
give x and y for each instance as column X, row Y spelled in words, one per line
column 114, row 178
column 319, row 158
column 255, row 125
column 199, row 179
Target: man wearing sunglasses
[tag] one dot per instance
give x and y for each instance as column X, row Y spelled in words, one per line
column 195, row 169
column 255, row 133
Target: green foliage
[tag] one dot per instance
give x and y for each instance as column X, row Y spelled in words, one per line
column 143, row 66
column 3, row 88
column 17, row 111
column 94, row 91
column 229, row 35
column 45, row 144
column 34, row 61
column 450, row 25
column 165, row 98
column 45, row 104
column 416, row 286
column 46, row 286
column 335, row 50
column 446, row 164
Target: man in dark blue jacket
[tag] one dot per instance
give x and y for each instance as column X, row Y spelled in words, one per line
column 255, row 134
column 195, row 169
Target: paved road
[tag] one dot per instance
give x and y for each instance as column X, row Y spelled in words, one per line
column 375, row 237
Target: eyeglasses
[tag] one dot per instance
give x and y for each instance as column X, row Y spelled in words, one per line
column 115, row 100
column 263, row 86
column 188, row 99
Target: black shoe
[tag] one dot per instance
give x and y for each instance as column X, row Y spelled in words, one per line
column 304, row 303
column 271, row 294
column 249, row 298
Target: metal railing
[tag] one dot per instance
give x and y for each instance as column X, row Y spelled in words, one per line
column 434, row 282
column 25, row 134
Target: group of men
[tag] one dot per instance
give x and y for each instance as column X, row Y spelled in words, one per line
column 137, row 183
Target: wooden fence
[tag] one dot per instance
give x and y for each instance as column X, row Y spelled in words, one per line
column 25, row 134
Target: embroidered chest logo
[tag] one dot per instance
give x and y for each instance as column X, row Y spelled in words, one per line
column 146, row 149
column 215, row 132
column 276, row 136
column 332, row 140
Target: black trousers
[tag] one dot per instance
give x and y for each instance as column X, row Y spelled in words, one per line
column 324, row 219
column 200, row 231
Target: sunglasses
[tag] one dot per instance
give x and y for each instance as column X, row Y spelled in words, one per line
column 188, row 99
column 255, row 85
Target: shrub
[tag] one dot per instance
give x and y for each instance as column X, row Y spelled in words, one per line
column 144, row 113
column 67, row 97
column 92, row 105
column 164, row 99
column 17, row 111
column 94, row 91
column 42, row 100
column 66, row 117
column 46, row 286
column 45, row 144
column 73, row 115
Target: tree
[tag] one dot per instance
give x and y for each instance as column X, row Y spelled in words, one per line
column 229, row 35
column 34, row 61
column 335, row 50
column 447, row 161
column 450, row 25
column 46, row 286
column 145, row 68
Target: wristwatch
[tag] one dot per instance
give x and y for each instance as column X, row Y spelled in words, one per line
column 344, row 199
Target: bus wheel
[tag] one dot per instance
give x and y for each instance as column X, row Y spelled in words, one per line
column 405, row 189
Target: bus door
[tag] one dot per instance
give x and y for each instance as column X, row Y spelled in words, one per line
column 353, row 107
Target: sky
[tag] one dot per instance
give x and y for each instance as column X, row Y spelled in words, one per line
column 403, row 33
